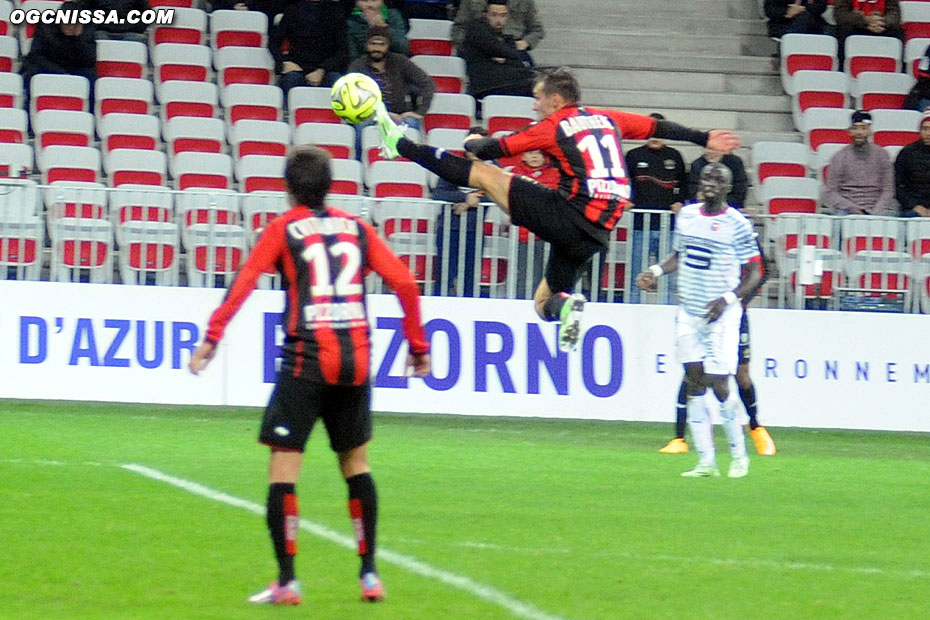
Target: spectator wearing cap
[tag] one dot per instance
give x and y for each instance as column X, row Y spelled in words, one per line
column 369, row 13
column 492, row 61
column 879, row 18
column 523, row 23
column 860, row 179
column 794, row 17
column 397, row 76
column 309, row 43
column 912, row 174
column 919, row 96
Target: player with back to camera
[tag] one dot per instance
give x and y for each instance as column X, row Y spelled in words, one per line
column 712, row 244
column 323, row 255
column 577, row 217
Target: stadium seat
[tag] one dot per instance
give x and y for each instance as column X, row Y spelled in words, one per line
column 52, row 91
column 206, row 207
column 6, row 27
column 79, row 247
column 21, row 243
column 507, row 113
column 880, row 90
column 128, row 131
column 136, row 167
column 140, row 203
column 450, row 111
column 918, row 237
column 9, row 52
column 922, row 283
column 893, row 150
column 260, row 173
column 11, row 90
column 371, row 143
column 448, row 72
column 124, row 59
column 790, row 195
column 250, row 137
column 881, row 272
column 410, row 230
column 430, row 36
column 15, row 160
column 820, row 161
column 28, row 31
column 189, row 26
column 238, row 28
column 895, row 127
column 175, row 4
column 870, row 233
column 779, row 159
column 818, row 89
column 827, row 125
column 259, row 208
column 495, row 260
column 869, row 53
column 793, row 230
column 197, row 99
column 202, row 170
column 75, row 200
column 252, row 101
column 397, row 179
column 243, row 65
column 122, row 96
column 347, row 176
column 180, row 61
column 310, row 104
column 13, row 126
column 914, row 52
column 214, row 254
column 149, row 251
column 799, row 52
column 338, row 140
column 199, row 135
column 70, row 163
column 353, row 205
column 614, row 273
column 62, row 127
column 915, row 19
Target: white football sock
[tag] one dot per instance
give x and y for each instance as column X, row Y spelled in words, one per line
column 702, row 431
column 729, row 412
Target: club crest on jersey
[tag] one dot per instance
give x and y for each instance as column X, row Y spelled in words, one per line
column 715, row 226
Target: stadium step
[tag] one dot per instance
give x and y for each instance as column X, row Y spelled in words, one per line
column 679, row 81
column 631, row 42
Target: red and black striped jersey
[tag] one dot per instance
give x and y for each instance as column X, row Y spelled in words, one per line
column 586, row 146
column 323, row 258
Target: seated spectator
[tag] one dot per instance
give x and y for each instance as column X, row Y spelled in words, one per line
column 919, row 96
column 397, row 76
column 62, row 48
column 370, row 13
column 523, row 24
column 861, row 178
column 658, row 180
column 124, row 31
column 492, row 61
column 737, row 196
column 316, row 53
column 912, row 174
column 869, row 17
column 464, row 202
column 795, row 17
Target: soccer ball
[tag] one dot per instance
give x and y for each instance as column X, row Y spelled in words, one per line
column 354, row 97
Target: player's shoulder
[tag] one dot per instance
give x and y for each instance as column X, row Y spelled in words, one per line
column 691, row 210
column 738, row 216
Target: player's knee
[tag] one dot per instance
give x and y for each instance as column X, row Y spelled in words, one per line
column 721, row 389
column 694, row 381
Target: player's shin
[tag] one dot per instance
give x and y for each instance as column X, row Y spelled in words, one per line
column 729, row 412
column 449, row 166
column 363, row 509
column 702, row 431
column 282, row 516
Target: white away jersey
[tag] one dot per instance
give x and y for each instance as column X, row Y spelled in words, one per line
column 711, row 251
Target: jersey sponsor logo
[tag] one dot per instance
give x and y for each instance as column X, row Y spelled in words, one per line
column 335, row 315
column 697, row 257
column 608, row 189
column 575, row 124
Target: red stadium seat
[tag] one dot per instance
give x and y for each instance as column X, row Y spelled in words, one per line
column 260, row 173
column 122, row 96
column 128, row 131
column 801, row 52
column 124, row 59
column 250, row 137
column 238, row 29
column 310, row 105
column 430, row 36
column 779, row 159
column 338, row 140
column 450, row 111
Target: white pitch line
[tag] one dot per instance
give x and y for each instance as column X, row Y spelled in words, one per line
column 484, row 592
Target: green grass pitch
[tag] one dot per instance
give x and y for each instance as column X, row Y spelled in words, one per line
column 557, row 520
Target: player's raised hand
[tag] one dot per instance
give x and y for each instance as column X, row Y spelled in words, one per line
column 715, row 309
column 201, row 357
column 722, row 140
column 646, row 281
column 419, row 363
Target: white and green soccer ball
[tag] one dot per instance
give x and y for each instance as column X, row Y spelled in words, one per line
column 355, row 97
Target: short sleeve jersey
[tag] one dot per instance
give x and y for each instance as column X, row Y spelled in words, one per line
column 711, row 252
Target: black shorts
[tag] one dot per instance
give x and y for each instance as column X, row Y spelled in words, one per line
column 547, row 214
column 743, row 354
column 296, row 404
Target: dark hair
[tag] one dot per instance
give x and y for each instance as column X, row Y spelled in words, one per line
column 560, row 81
column 657, row 116
column 308, row 176
column 478, row 130
column 378, row 31
column 490, row 2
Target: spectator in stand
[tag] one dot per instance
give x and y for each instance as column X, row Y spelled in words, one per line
column 912, row 174
column 316, row 51
column 368, row 14
column 658, row 180
column 534, row 165
column 397, row 76
column 795, row 17
column 64, row 49
column 523, row 24
column 464, row 202
column 124, row 31
column 919, row 96
column 869, row 17
column 737, row 196
column 492, row 61
column 861, row 177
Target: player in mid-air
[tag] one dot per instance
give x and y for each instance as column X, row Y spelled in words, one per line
column 718, row 262
column 323, row 256
column 765, row 446
column 577, row 217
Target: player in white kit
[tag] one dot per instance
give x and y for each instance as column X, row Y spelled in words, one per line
column 712, row 243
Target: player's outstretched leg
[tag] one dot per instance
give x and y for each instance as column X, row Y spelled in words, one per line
column 678, row 445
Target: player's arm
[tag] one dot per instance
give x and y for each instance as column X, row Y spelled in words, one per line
column 384, row 262
column 649, row 279
column 537, row 137
column 263, row 258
